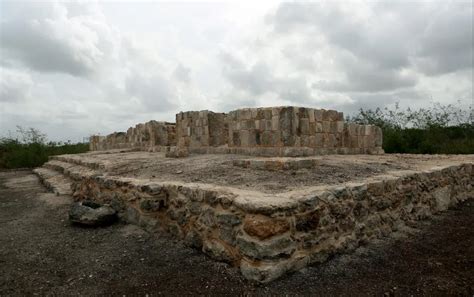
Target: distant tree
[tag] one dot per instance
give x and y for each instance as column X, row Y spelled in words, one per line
column 31, row 135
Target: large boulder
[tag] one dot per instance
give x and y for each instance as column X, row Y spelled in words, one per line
column 92, row 214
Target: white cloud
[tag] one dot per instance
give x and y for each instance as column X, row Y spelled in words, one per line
column 76, row 68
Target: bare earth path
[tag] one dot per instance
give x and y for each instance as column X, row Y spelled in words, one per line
column 41, row 254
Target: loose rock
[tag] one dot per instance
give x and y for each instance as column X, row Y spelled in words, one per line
column 88, row 213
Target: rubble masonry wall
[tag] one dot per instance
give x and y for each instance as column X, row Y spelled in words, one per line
column 268, row 239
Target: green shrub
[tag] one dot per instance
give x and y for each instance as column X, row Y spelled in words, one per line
column 441, row 129
column 32, row 151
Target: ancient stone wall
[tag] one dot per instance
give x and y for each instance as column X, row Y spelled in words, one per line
column 272, row 131
column 201, row 129
column 276, row 131
column 285, row 126
column 267, row 236
column 144, row 136
column 300, row 127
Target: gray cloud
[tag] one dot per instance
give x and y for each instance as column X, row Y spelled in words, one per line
column 55, row 40
column 375, row 48
column 15, row 86
column 363, row 76
column 447, row 43
column 258, row 79
column 182, row 73
column 80, row 68
column 155, row 92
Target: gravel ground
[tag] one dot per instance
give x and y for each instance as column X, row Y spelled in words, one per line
column 42, row 254
column 218, row 169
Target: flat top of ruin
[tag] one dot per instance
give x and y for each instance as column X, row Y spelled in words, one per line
column 221, row 170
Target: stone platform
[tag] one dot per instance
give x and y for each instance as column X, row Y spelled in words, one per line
column 267, row 216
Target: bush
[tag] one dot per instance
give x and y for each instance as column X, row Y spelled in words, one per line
column 32, row 151
column 440, row 129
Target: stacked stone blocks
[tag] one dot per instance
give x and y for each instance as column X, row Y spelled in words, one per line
column 271, row 131
column 144, row 136
column 201, row 129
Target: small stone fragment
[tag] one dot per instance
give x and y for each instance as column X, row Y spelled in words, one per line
column 92, row 214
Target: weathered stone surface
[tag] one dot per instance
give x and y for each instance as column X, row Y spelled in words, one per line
column 442, row 198
column 268, row 249
column 92, row 214
column 152, row 204
column 308, row 221
column 268, row 235
column 217, row 250
column 264, row 272
column 264, row 227
column 177, row 152
column 228, row 219
column 286, row 126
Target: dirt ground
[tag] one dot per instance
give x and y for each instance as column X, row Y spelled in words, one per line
column 42, row 254
column 218, row 169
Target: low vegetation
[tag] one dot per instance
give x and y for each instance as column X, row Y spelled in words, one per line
column 438, row 129
column 31, row 149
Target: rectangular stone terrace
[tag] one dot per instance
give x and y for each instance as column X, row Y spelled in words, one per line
column 267, row 216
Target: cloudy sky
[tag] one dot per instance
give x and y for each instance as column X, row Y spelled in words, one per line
column 72, row 69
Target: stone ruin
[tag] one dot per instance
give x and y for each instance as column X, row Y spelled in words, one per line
column 308, row 214
column 147, row 136
column 271, row 131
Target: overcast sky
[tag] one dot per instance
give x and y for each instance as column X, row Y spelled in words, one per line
column 79, row 68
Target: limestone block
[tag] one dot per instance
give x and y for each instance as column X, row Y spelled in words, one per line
column 259, row 250
column 319, row 127
column 297, row 141
column 326, row 126
column 304, row 140
column 311, row 115
column 333, row 127
column 244, row 137
column 266, row 138
column 267, row 114
column 318, row 140
column 276, row 138
column 304, row 126
column 312, row 141
column 378, row 136
column 332, row 140
column 295, row 125
column 352, row 128
column 275, row 123
column 275, row 111
column 332, row 115
column 318, row 115
column 340, row 116
column 267, row 125
column 254, row 113
column 235, row 138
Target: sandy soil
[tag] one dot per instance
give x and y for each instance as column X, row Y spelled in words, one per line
column 218, row 169
column 42, row 254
